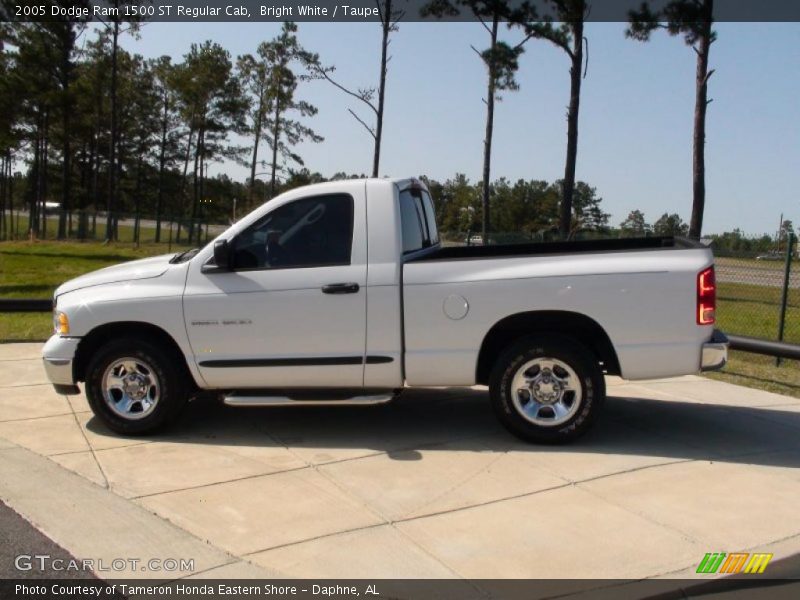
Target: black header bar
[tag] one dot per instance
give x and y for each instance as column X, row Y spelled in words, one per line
column 358, row 10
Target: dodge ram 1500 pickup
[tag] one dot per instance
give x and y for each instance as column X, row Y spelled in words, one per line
column 342, row 293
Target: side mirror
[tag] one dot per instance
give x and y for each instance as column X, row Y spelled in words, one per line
column 222, row 255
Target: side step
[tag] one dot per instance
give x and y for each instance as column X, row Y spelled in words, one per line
column 251, row 398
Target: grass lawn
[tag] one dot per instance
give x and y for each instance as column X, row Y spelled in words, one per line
column 35, row 270
column 753, row 310
column 760, row 372
column 125, row 230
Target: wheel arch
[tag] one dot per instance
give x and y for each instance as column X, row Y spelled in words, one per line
column 98, row 336
column 576, row 325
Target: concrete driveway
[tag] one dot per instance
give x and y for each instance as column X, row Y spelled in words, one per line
column 427, row 487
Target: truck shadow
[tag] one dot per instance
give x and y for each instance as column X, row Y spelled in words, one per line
column 462, row 420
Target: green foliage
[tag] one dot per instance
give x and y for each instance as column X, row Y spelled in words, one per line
column 523, row 210
column 210, row 97
column 586, row 212
column 670, row 225
column 502, row 61
column 688, row 18
column 34, row 270
column 567, row 14
column 635, row 225
column 735, row 243
column 501, row 58
column 787, row 229
column 279, row 58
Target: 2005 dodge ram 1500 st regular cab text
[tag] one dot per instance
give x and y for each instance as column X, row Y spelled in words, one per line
column 342, row 293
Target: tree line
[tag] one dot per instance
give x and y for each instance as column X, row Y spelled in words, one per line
column 101, row 128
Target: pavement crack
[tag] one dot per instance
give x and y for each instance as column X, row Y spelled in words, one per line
column 22, row 385
column 374, row 511
column 461, row 483
column 35, row 418
column 98, row 450
column 685, row 535
column 206, row 570
column 216, row 483
column 88, row 444
column 405, row 519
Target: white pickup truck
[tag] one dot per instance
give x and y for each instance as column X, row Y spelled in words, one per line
column 341, row 293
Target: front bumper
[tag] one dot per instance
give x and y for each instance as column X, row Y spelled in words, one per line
column 715, row 352
column 58, row 355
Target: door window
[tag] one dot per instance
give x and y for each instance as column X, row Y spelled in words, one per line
column 311, row 232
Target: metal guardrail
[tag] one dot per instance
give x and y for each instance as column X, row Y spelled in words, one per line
column 22, row 305
column 766, row 347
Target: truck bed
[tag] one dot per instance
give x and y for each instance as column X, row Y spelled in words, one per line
column 544, row 248
column 642, row 292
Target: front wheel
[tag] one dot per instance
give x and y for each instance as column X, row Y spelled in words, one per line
column 547, row 389
column 135, row 387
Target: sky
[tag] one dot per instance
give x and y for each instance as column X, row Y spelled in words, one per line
column 636, row 118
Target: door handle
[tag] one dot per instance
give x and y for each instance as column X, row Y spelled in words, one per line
column 340, row 288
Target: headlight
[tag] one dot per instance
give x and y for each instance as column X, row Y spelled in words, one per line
column 60, row 323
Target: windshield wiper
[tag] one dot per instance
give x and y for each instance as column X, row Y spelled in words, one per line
column 184, row 256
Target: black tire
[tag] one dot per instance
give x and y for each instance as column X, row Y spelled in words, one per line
column 168, row 372
column 578, row 358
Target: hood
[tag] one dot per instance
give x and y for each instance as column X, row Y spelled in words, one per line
column 145, row 268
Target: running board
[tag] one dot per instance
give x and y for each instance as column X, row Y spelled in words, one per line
column 251, row 400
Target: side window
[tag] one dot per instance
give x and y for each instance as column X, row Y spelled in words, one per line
column 430, row 217
column 412, row 223
column 418, row 220
column 310, row 232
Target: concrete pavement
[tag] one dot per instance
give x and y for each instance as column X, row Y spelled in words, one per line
column 427, row 487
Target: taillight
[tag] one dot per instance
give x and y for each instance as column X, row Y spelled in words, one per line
column 706, row 297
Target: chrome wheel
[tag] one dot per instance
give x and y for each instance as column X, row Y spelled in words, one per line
column 546, row 391
column 130, row 388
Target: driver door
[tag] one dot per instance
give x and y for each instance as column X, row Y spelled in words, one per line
column 292, row 312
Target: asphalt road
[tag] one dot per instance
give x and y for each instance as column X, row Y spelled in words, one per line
column 754, row 274
column 130, row 221
column 19, row 537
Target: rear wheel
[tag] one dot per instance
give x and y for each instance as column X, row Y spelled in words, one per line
column 135, row 387
column 547, row 389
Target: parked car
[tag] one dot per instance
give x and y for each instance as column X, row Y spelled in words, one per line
column 772, row 255
column 52, row 208
column 315, row 299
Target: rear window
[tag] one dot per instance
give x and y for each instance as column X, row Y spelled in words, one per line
column 418, row 220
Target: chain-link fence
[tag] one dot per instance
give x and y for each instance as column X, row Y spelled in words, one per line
column 759, row 292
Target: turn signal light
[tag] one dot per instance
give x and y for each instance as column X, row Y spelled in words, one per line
column 61, row 323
